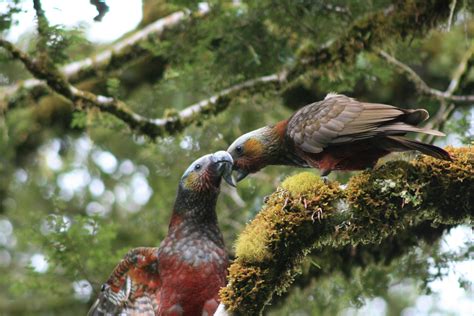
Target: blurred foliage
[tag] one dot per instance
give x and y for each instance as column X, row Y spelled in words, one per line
column 77, row 189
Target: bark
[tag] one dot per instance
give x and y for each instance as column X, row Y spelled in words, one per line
column 304, row 214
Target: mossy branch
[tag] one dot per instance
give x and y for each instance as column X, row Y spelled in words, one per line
column 423, row 88
column 399, row 20
column 408, row 17
column 109, row 60
column 151, row 127
column 305, row 214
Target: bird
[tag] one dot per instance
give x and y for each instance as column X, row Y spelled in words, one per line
column 337, row 133
column 184, row 274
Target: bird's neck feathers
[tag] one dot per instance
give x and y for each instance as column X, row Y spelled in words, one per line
column 195, row 207
column 194, row 216
column 272, row 137
column 280, row 151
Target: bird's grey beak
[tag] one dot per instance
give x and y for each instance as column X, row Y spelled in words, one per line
column 241, row 174
column 224, row 166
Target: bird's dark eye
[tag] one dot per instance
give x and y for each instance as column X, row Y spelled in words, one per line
column 197, row 167
column 239, row 149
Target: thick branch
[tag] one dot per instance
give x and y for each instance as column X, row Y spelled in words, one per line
column 114, row 58
column 305, row 214
column 150, row 127
column 366, row 33
column 421, row 85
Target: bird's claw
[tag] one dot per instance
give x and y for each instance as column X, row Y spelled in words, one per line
column 317, row 214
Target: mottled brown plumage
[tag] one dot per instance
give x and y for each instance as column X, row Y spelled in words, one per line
column 337, row 133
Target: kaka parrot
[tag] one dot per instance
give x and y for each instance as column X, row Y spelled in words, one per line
column 337, row 133
column 182, row 276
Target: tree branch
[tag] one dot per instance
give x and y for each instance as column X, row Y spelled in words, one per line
column 421, row 85
column 305, row 214
column 150, row 127
column 398, row 20
column 366, row 33
column 129, row 49
column 42, row 21
column 445, row 111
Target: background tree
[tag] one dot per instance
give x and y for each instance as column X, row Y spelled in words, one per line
column 92, row 135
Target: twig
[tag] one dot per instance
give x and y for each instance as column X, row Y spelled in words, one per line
column 444, row 112
column 460, row 70
column 102, row 9
column 452, row 6
column 150, row 127
column 42, row 21
column 421, row 85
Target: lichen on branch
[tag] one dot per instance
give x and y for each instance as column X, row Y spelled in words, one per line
column 304, row 214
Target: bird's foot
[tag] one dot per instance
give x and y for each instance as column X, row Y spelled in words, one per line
column 285, row 204
column 266, row 198
column 324, row 175
column 318, row 214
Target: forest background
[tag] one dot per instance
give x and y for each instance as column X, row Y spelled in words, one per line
column 128, row 93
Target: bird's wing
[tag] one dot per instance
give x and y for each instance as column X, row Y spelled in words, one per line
column 131, row 288
column 339, row 119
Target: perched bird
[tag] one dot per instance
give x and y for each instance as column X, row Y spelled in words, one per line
column 182, row 276
column 338, row 133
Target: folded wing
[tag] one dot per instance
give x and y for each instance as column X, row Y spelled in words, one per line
column 340, row 120
column 133, row 286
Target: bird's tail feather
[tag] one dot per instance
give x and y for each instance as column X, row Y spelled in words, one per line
column 400, row 127
column 415, row 117
column 397, row 143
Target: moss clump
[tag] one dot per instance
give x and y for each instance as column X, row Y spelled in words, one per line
column 451, row 184
column 247, row 280
column 287, row 225
column 302, row 183
column 251, row 244
column 401, row 193
column 289, row 213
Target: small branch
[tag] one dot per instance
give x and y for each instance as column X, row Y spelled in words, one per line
column 460, row 70
column 42, row 21
column 444, row 112
column 305, row 214
column 452, row 6
column 150, row 127
column 421, row 85
column 102, row 9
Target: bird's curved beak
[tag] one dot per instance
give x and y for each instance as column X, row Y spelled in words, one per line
column 224, row 163
column 241, row 174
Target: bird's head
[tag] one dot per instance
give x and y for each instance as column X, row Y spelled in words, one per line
column 205, row 173
column 252, row 151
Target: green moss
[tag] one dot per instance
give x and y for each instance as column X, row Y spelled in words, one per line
column 302, row 183
column 304, row 213
column 251, row 244
column 288, row 223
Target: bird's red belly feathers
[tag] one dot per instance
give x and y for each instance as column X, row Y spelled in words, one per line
column 190, row 289
column 356, row 156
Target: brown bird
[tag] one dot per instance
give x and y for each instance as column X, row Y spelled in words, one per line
column 337, row 133
column 183, row 276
